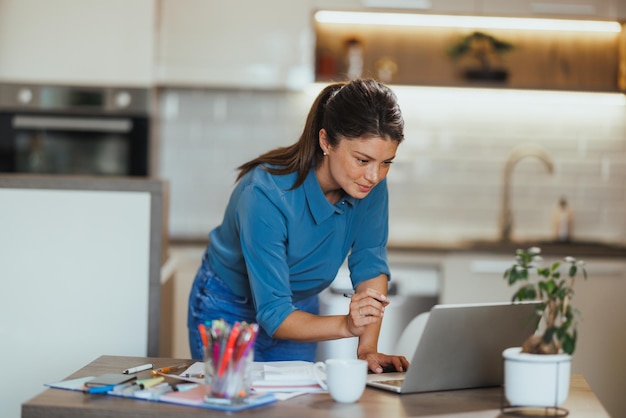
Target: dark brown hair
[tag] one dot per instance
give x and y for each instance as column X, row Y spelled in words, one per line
column 360, row 108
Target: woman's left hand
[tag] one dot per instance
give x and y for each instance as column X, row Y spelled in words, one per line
column 379, row 362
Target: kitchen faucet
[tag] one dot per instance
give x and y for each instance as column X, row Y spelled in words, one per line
column 519, row 152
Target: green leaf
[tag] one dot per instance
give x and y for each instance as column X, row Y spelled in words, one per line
column 543, row 272
column 569, row 343
column 512, row 277
column 548, row 286
column 525, row 293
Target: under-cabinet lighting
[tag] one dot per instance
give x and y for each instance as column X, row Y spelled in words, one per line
column 518, row 96
column 453, row 21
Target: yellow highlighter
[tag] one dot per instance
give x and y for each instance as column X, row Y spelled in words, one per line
column 148, row 383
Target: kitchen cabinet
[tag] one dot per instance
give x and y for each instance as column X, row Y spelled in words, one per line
column 81, row 260
column 249, row 44
column 99, row 42
column 478, row 277
column 620, row 10
column 558, row 60
column 408, row 55
column 573, row 9
column 584, row 9
column 475, row 277
column 426, row 6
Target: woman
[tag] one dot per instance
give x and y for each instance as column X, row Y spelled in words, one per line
column 295, row 214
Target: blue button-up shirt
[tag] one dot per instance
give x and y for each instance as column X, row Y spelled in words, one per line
column 278, row 245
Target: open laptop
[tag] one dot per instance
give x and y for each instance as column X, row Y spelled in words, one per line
column 461, row 347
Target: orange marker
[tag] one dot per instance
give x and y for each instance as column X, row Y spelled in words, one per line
column 170, row 369
column 205, row 339
column 230, row 346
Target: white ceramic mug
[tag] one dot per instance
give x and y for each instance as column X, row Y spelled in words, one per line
column 345, row 378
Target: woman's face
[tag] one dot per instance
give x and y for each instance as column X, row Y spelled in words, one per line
column 356, row 165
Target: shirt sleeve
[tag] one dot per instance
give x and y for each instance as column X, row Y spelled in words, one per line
column 263, row 236
column 368, row 257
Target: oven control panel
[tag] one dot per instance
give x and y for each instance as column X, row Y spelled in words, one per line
column 114, row 100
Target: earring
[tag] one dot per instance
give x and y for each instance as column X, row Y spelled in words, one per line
column 325, row 154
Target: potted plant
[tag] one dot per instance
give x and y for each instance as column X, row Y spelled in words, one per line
column 484, row 49
column 537, row 374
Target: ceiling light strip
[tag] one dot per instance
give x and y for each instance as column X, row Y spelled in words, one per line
column 453, row 21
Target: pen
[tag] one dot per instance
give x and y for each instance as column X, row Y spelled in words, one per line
column 138, row 369
column 170, row 369
column 349, row 296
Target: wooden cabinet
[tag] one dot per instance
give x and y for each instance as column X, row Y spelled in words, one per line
column 252, row 45
column 420, row 56
column 104, row 42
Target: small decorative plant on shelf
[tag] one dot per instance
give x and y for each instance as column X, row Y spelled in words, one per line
column 557, row 332
column 485, row 50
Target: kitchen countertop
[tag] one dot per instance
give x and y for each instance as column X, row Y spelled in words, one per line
column 587, row 249
column 548, row 248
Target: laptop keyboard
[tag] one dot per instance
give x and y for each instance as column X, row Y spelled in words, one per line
column 392, row 382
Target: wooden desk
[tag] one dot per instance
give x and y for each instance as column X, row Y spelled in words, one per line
column 474, row 403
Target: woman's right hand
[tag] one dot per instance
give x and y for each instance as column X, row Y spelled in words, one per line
column 366, row 307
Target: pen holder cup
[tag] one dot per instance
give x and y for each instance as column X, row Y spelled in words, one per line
column 231, row 382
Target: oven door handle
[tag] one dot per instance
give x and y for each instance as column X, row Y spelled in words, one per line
column 115, row 125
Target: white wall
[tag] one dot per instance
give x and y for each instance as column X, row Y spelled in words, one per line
column 446, row 181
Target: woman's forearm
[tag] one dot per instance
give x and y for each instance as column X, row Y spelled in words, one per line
column 306, row 327
column 368, row 340
column 363, row 319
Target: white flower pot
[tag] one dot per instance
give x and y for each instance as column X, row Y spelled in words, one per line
column 536, row 380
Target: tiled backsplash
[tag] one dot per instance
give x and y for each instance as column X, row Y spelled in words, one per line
column 446, row 183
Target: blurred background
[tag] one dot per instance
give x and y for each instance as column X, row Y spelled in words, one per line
column 515, row 131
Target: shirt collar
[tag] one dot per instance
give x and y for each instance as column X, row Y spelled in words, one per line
column 320, row 207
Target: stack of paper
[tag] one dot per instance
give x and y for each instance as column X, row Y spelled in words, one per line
column 286, row 376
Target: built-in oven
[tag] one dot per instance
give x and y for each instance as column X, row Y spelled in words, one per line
column 74, row 130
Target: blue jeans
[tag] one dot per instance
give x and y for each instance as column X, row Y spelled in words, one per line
column 211, row 299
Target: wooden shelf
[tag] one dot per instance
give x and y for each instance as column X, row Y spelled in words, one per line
column 539, row 60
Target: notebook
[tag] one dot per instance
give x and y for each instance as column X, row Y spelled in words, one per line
column 461, row 347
